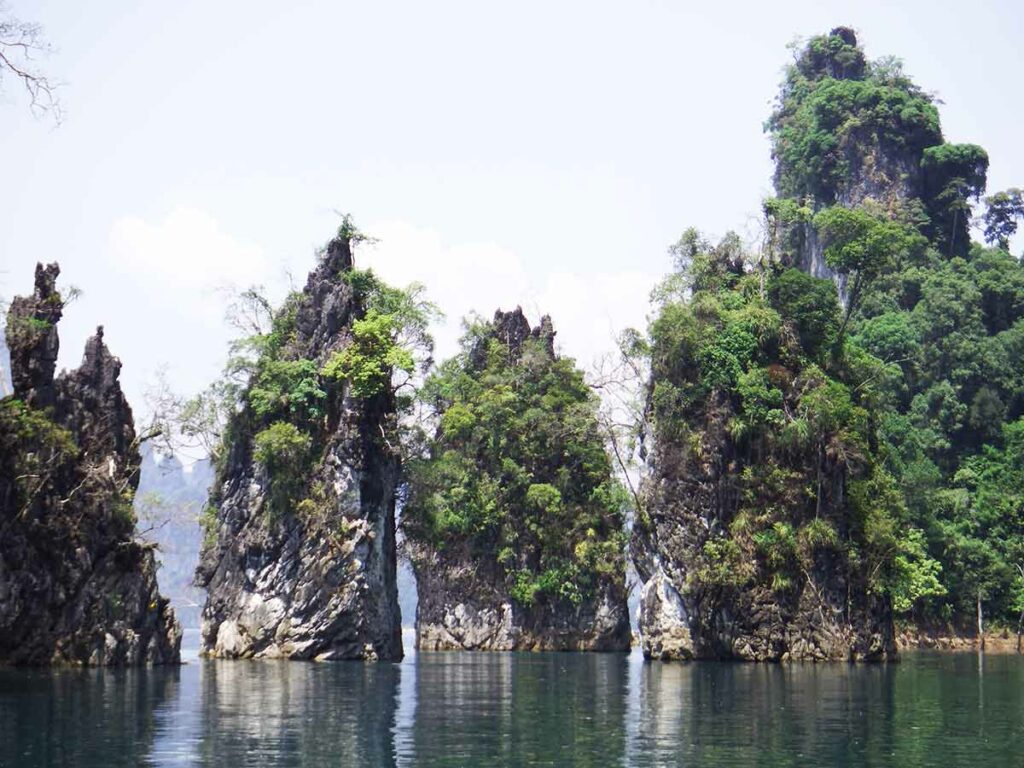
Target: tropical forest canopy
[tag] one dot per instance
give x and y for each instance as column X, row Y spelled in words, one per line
column 911, row 376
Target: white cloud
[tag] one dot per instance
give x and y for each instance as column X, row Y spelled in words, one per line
column 460, row 279
column 168, row 306
column 187, row 247
column 172, row 311
column 588, row 309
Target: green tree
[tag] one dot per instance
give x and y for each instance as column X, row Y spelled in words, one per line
column 862, row 246
column 811, row 304
column 1003, row 211
column 954, row 174
column 392, row 338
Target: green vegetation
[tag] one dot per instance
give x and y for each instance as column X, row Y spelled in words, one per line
column 287, row 392
column 283, row 450
column 26, row 331
column 932, row 338
column 831, row 102
column 771, row 369
column 208, row 522
column 517, row 471
column 33, row 449
column 862, row 246
column 384, row 340
column 1003, row 212
column 287, row 387
column 953, row 175
column 841, row 121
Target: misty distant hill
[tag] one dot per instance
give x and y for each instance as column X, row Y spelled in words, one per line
column 168, row 503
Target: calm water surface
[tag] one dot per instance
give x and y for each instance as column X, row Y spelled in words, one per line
column 520, row 710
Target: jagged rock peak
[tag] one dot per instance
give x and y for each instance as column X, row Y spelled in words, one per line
column 328, row 302
column 32, row 339
column 91, row 403
column 99, row 368
column 299, row 560
column 75, row 585
column 512, row 329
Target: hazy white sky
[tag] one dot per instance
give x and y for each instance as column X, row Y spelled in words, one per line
column 539, row 153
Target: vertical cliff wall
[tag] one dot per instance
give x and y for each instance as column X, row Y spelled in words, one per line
column 76, row 587
column 767, row 527
column 299, row 558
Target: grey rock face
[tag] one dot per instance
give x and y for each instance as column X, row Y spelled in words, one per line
column 317, row 581
column 887, row 178
column 665, row 629
column 828, row 615
column 464, row 605
column 75, row 585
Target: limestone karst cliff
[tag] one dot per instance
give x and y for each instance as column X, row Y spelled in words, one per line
column 799, row 488
column 766, row 531
column 513, row 521
column 771, row 521
column 299, row 557
column 76, row 586
column 851, row 132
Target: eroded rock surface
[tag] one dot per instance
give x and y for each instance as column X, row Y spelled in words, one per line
column 76, row 587
column 314, row 580
column 827, row 613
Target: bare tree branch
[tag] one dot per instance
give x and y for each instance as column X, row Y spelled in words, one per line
column 21, row 43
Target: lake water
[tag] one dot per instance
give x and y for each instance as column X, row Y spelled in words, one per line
column 519, row 710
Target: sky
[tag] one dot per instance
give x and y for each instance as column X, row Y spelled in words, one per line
column 542, row 154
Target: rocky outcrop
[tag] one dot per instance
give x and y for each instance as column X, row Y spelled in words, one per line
column 76, row 587
column 867, row 148
column 464, row 604
column 694, row 495
column 312, row 576
column 466, row 596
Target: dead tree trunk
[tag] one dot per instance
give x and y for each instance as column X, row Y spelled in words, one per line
column 981, row 624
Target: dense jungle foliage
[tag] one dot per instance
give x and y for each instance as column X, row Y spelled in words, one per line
column 517, row 470
column 755, row 361
column 912, row 377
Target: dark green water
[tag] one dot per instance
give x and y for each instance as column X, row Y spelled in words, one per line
column 519, row 710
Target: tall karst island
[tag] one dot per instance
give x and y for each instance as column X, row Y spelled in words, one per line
column 299, row 559
column 76, row 586
column 810, row 401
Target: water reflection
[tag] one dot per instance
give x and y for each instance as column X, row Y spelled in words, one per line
column 298, row 714
column 517, row 710
column 741, row 714
column 520, row 709
column 81, row 717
